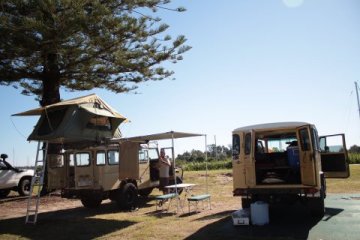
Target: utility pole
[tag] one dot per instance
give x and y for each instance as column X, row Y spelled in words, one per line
column 357, row 97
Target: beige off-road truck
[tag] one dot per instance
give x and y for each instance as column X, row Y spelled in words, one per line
column 286, row 162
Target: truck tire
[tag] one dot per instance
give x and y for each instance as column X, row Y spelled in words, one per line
column 4, row 193
column 317, row 205
column 24, row 186
column 128, row 196
column 91, row 201
column 245, row 202
column 145, row 192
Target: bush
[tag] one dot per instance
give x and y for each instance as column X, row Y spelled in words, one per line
column 213, row 165
column 354, row 158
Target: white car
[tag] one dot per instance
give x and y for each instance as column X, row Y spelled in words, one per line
column 12, row 178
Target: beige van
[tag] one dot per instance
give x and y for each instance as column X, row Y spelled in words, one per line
column 285, row 162
column 120, row 171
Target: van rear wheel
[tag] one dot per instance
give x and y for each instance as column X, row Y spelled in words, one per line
column 128, row 196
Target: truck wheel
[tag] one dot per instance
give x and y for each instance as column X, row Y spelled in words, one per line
column 4, row 193
column 145, row 192
column 91, row 201
column 128, row 196
column 245, row 202
column 24, row 187
column 317, row 205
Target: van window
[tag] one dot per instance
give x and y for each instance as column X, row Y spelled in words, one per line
column 113, row 157
column 304, row 139
column 71, row 160
column 236, row 145
column 99, row 123
column 143, row 156
column 153, row 154
column 247, row 143
column 56, row 160
column 100, row 158
column 82, row 159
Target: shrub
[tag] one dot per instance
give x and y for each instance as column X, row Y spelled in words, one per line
column 213, row 165
column 354, row 158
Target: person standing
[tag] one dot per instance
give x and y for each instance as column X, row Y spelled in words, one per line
column 164, row 169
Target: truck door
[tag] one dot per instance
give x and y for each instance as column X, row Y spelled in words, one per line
column 56, row 171
column 238, row 161
column 249, row 159
column 334, row 157
column 307, row 157
column 84, row 172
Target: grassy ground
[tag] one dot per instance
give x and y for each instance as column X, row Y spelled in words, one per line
column 107, row 222
column 349, row 185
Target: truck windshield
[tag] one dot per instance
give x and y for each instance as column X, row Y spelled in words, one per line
column 275, row 143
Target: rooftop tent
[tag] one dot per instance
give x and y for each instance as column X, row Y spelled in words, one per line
column 86, row 118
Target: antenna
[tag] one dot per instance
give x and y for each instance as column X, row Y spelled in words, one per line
column 357, row 97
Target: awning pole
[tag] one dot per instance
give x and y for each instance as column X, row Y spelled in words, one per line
column 173, row 157
column 206, row 167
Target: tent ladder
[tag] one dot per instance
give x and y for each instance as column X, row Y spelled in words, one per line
column 37, row 183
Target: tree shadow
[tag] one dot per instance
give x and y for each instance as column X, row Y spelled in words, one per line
column 76, row 223
column 290, row 222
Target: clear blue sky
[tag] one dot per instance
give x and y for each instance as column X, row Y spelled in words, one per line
column 252, row 61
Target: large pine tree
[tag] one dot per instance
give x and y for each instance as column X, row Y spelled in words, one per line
column 83, row 44
column 79, row 45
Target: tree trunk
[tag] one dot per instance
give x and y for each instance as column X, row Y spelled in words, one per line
column 50, row 95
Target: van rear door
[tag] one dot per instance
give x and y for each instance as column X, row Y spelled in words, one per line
column 334, row 156
column 56, row 171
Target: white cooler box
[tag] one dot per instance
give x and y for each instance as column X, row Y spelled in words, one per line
column 241, row 217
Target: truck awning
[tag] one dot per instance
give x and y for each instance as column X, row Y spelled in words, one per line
column 162, row 136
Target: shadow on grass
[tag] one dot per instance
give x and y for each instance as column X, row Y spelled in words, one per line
column 74, row 223
column 285, row 223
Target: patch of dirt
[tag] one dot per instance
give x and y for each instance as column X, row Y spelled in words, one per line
column 16, row 207
column 224, row 178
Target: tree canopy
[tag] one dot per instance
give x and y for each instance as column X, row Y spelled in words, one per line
column 84, row 44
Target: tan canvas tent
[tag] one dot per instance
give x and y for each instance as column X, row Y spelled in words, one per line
column 87, row 118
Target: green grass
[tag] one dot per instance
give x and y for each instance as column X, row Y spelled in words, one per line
column 348, row 185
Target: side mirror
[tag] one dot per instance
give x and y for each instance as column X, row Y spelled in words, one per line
column 4, row 156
